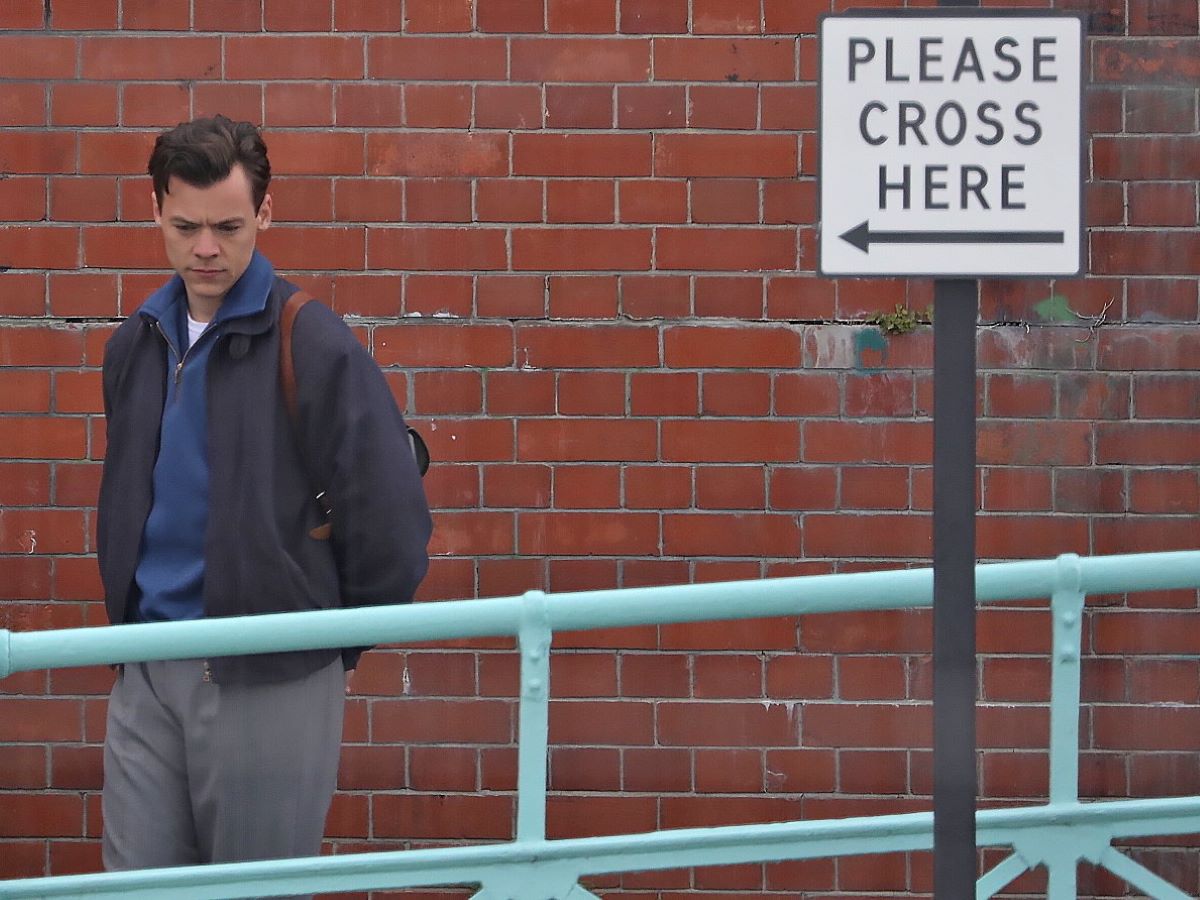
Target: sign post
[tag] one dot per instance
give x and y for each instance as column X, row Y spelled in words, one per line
column 951, row 148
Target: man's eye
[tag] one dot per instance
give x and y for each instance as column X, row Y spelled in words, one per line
column 186, row 229
column 227, row 229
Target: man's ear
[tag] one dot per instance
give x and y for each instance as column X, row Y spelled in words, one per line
column 264, row 213
column 154, row 206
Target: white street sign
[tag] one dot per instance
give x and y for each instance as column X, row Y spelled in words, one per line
column 951, row 143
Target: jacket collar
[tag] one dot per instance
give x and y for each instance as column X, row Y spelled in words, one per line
column 244, row 307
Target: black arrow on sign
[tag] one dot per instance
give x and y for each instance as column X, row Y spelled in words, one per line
column 862, row 237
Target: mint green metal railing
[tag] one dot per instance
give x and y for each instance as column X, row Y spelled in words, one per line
column 1057, row 835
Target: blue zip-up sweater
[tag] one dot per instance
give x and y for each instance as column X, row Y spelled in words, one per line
column 170, row 572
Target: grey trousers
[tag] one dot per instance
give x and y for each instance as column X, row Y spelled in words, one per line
column 198, row 772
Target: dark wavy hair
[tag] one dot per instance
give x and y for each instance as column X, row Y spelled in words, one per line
column 204, row 151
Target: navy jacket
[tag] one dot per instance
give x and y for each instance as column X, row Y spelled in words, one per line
column 259, row 555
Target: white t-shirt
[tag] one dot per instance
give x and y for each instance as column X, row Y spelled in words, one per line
column 195, row 329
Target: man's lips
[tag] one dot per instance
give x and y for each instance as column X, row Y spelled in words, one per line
column 207, row 271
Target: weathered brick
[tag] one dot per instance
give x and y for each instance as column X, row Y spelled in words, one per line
column 434, row 249
column 755, row 535
column 581, row 249
column 1155, row 61
column 1158, row 109
column 724, row 59
column 428, row 154
column 580, row 60
column 151, row 58
column 282, row 57
column 581, row 16
column 749, row 249
column 1161, row 17
column 34, row 152
column 1160, row 347
column 586, row 440
column 715, row 155
column 1137, row 158
column 436, row 59
column 23, row 104
column 582, row 154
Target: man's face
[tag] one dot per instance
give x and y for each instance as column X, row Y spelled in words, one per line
column 210, row 234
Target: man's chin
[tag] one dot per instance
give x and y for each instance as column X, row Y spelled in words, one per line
column 208, row 287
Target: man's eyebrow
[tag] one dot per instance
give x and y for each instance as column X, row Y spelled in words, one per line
column 182, row 220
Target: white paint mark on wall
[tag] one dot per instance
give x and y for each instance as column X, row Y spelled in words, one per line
column 790, row 705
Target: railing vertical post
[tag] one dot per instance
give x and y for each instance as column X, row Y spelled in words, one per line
column 1066, row 607
column 5, row 653
column 1061, row 872
column 534, row 642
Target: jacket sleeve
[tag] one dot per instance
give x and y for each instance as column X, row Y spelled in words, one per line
column 361, row 455
column 116, row 350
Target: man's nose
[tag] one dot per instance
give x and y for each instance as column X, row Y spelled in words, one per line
column 206, row 244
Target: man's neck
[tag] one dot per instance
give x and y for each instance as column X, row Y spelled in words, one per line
column 203, row 309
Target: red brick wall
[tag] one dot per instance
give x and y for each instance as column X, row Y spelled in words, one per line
column 580, row 236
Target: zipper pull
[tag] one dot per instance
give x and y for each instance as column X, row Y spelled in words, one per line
column 178, row 372
column 207, row 676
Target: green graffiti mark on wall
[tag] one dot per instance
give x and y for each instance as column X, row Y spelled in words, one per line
column 870, row 350
column 1056, row 308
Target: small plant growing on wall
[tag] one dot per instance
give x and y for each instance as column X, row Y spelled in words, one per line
column 901, row 320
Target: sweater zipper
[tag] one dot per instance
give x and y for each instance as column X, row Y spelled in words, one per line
column 182, row 359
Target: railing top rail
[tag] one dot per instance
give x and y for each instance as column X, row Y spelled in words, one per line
column 860, row 591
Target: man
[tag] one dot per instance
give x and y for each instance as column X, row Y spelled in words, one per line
column 208, row 509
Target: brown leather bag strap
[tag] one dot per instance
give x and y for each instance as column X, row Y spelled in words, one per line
column 287, row 380
column 287, row 365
